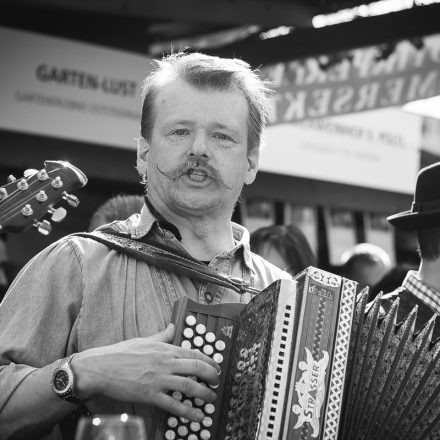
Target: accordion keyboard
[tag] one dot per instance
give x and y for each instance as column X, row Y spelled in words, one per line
column 213, row 334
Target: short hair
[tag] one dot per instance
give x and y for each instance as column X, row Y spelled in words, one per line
column 210, row 73
column 429, row 243
column 119, row 207
column 289, row 241
column 363, row 255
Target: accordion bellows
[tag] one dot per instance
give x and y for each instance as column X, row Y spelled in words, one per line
column 392, row 383
column 306, row 360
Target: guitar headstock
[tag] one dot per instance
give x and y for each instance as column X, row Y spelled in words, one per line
column 24, row 201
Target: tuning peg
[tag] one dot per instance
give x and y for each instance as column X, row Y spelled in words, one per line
column 22, row 185
column 42, row 175
column 27, row 210
column 58, row 215
column 43, row 227
column 30, row 172
column 71, row 200
column 3, row 194
column 57, row 182
column 11, row 178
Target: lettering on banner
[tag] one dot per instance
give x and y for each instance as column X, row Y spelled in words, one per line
column 358, row 82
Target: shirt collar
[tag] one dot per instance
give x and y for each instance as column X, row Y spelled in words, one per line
column 139, row 225
column 427, row 294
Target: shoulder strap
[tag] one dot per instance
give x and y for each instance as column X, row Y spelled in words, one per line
column 169, row 260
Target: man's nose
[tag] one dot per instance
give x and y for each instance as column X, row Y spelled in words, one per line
column 199, row 146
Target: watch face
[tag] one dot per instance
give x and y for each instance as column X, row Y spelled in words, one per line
column 61, row 380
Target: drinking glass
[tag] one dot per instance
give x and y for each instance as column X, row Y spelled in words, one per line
column 111, row 427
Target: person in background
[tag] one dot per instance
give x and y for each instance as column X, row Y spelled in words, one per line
column 119, row 207
column 87, row 327
column 285, row 246
column 421, row 287
column 365, row 263
column 391, row 280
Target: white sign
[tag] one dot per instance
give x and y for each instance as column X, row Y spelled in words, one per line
column 378, row 149
column 56, row 87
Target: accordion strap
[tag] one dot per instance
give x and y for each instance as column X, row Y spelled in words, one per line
column 164, row 258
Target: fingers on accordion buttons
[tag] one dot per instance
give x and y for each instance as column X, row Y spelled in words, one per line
column 198, row 401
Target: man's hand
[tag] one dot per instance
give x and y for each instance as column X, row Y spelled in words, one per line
column 144, row 370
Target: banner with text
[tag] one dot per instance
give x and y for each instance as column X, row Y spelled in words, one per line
column 378, row 149
column 57, row 87
column 358, row 80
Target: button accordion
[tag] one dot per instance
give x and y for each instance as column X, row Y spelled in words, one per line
column 304, row 360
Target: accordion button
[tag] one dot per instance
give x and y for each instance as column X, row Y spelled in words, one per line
column 218, row 358
column 193, row 437
column 183, row 420
column 198, row 341
column 188, row 332
column 182, row 431
column 170, row 435
column 213, row 387
column 194, row 426
column 207, row 422
column 220, row 345
column 201, row 329
column 177, row 395
column 209, row 408
column 185, row 344
column 172, row 422
column 198, row 401
column 210, row 337
column 208, row 350
column 187, row 402
column 205, row 434
column 191, row 320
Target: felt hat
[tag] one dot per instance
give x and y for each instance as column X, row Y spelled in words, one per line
column 425, row 209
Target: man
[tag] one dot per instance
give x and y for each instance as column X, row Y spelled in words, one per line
column 201, row 126
column 422, row 287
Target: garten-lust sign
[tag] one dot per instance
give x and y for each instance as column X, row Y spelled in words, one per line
column 359, row 82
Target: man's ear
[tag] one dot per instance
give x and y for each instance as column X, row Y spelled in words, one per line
column 253, row 163
column 142, row 156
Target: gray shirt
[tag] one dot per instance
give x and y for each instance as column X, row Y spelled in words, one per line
column 78, row 294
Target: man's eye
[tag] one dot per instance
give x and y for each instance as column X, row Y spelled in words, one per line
column 223, row 137
column 180, row 131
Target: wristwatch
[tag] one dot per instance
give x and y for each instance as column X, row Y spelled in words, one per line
column 63, row 381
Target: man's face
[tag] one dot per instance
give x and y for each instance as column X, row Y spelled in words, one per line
column 197, row 161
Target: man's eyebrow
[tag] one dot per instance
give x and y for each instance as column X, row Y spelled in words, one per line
column 228, row 128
